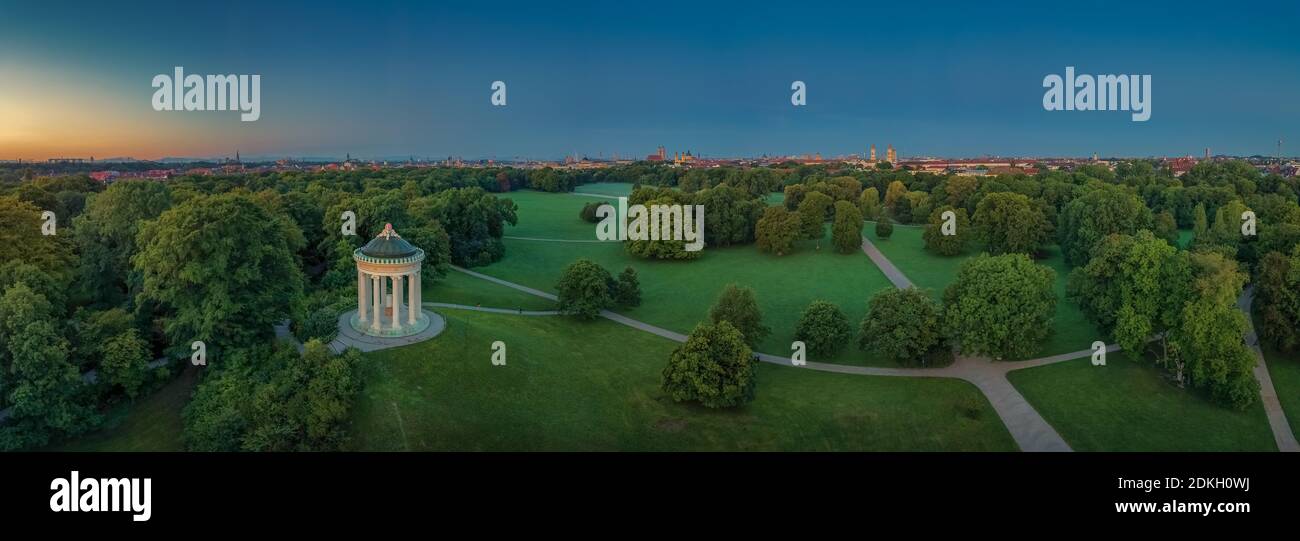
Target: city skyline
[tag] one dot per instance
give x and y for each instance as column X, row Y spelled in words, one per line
column 591, row 80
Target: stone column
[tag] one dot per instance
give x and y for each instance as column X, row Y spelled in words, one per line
column 397, row 303
column 377, row 296
column 361, row 295
column 413, row 295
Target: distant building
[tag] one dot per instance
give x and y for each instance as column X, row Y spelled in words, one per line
column 104, row 176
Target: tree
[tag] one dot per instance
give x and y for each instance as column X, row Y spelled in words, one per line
column 812, row 214
column 738, row 306
column 627, row 290
column 473, row 219
column 1105, row 210
column 583, row 289
column 37, row 379
column 588, row 213
column 106, row 235
column 1000, row 306
column 1166, row 228
column 21, row 238
column 729, row 215
column 1201, row 223
column 846, row 231
column 125, row 361
column 823, row 328
column 221, row 268
column 935, row 239
column 777, row 230
column 869, row 201
column 794, row 194
column 895, row 191
column 664, row 248
column 1130, row 287
column 1208, row 338
column 884, row 227
column 1278, row 299
column 905, row 325
column 1009, row 223
column 713, row 367
column 267, row 398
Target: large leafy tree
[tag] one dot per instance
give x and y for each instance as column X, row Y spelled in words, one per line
column 714, row 367
column 823, row 328
column 21, row 238
column 664, row 248
column 1208, row 340
column 106, row 235
column 583, row 289
column 869, row 202
column 812, row 214
column 1105, row 210
column 738, row 306
column 729, row 215
column 1133, row 287
column 40, row 383
column 942, row 244
column 905, row 325
column 125, row 361
column 1009, row 223
column 846, row 230
column 473, row 219
column 1000, row 306
column 1278, row 300
column 268, row 398
column 626, row 290
column 777, row 230
column 221, row 268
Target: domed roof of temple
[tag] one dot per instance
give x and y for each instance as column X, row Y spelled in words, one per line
column 388, row 245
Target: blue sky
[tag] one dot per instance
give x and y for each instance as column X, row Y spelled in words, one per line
column 593, row 78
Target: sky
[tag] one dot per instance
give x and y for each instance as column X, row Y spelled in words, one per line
column 387, row 79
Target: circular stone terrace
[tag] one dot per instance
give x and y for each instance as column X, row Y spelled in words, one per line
column 389, row 296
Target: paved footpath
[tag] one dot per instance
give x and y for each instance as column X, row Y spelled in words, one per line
column 1282, row 434
column 1027, row 428
column 1030, row 431
column 886, row 266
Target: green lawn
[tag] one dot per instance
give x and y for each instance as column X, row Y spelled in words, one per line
column 570, row 386
column 906, row 249
column 552, row 215
column 1284, row 368
column 1127, row 406
column 612, row 189
column 460, row 288
column 151, row 423
column 678, row 294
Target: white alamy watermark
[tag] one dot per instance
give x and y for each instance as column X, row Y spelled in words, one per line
column 1099, row 93
column 658, row 222
column 180, row 92
column 74, row 494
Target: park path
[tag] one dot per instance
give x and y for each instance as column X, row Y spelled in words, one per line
column 1027, row 428
column 886, row 266
column 1282, row 434
column 597, row 241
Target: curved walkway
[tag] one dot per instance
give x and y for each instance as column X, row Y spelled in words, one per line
column 597, row 241
column 493, row 310
column 1028, row 429
column 1282, row 434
